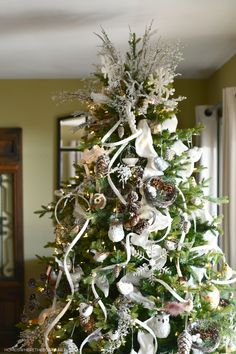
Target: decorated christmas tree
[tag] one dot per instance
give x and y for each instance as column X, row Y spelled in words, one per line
column 136, row 267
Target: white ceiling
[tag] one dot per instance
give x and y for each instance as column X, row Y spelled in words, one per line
column 55, row 38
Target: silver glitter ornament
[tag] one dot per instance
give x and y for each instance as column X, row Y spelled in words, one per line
column 160, row 163
column 116, row 231
column 68, row 347
column 159, row 191
column 184, row 342
column 170, row 154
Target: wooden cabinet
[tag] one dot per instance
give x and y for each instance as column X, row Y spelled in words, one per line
column 11, row 236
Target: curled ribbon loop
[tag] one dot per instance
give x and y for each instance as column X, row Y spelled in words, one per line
column 148, row 329
column 100, row 303
column 172, row 291
column 69, row 279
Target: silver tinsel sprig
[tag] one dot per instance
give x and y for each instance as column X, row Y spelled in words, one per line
column 152, row 63
column 124, row 173
column 117, row 338
column 28, row 338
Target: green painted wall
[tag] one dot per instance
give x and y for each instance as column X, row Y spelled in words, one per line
column 224, row 77
column 28, row 104
column 195, row 92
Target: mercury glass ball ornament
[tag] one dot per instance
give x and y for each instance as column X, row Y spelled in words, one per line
column 159, row 191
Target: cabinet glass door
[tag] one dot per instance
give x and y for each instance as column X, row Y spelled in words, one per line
column 6, row 226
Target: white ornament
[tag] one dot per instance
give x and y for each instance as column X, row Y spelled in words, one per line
column 85, row 309
column 125, row 288
column 144, row 143
column 160, row 325
column 170, row 124
column 211, row 296
column 116, row 232
column 68, row 347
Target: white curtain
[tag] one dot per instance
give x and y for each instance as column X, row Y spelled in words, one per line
column 229, row 173
column 209, row 142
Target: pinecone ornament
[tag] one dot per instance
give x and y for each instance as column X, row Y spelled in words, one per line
column 141, row 226
column 102, row 165
column 133, row 208
column 184, row 342
column 139, row 175
column 132, row 197
column 185, row 224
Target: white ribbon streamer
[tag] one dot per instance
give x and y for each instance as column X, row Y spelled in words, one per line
column 93, row 336
column 204, row 249
column 124, row 141
column 168, row 228
column 149, row 330
column 100, row 303
column 69, row 279
column 67, row 196
column 182, row 238
column 56, row 286
column 224, row 282
column 108, row 134
column 173, row 292
column 115, row 190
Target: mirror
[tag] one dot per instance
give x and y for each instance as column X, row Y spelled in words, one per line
column 69, row 137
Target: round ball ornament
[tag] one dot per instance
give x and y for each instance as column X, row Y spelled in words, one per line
column 160, row 191
column 208, row 336
column 211, row 296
